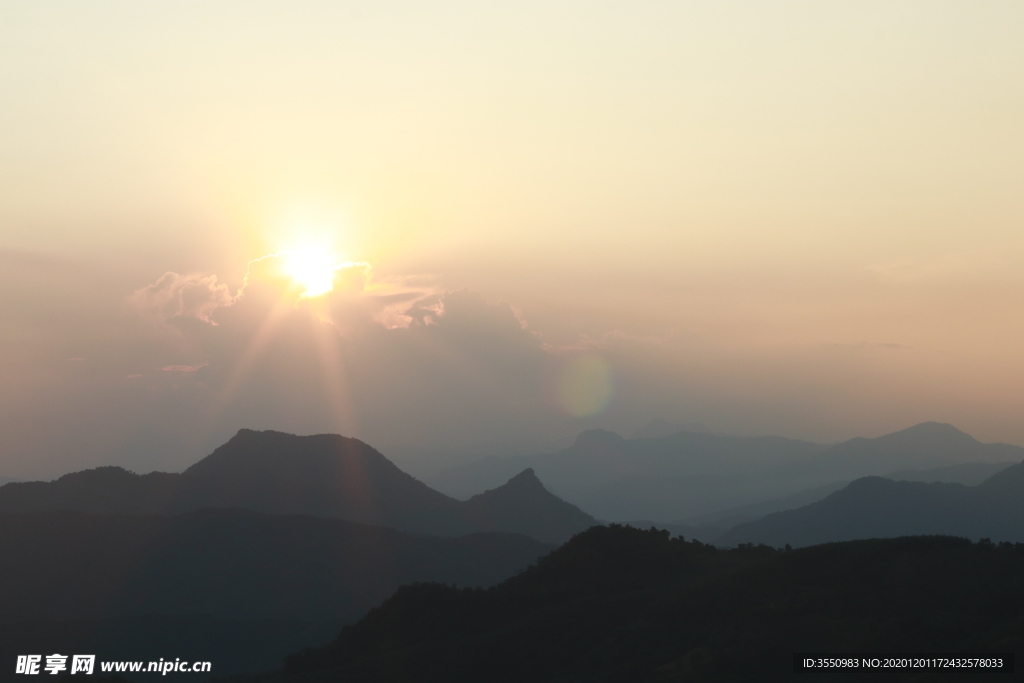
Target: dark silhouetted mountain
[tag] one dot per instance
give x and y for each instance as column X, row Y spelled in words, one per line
column 229, row 564
column 620, row 604
column 233, row 587
column 324, row 475
column 687, row 475
column 874, row 507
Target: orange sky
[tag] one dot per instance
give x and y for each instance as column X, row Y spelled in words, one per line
column 794, row 218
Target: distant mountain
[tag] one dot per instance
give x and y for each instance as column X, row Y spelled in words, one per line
column 968, row 473
column 687, row 474
column 874, row 507
column 425, row 462
column 525, row 506
column 664, row 478
column 924, row 446
column 325, row 475
column 709, row 527
column 726, row 519
column 621, row 604
column 659, row 428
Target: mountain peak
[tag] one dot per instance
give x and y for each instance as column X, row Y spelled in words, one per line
column 522, row 504
column 523, row 484
column 941, row 429
column 252, row 451
column 526, row 478
column 929, row 435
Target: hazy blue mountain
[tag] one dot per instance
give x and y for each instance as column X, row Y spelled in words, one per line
column 968, row 474
column 675, row 478
column 927, row 445
column 425, row 463
column 662, row 478
column 875, row 507
column 726, row 519
column 709, row 527
column 523, row 505
column 659, row 428
column 1007, row 486
column 325, row 475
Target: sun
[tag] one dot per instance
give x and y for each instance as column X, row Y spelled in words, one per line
column 310, row 267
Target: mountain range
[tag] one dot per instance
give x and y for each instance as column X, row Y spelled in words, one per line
column 623, row 604
column 234, row 587
column 281, row 539
column 323, row 475
column 685, row 475
column 272, row 542
column 876, row 507
column 234, row 564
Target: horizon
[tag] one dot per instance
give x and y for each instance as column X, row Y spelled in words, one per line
column 438, row 228
column 480, row 454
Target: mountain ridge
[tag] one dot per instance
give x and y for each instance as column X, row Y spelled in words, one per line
column 687, row 474
column 877, row 507
column 325, row 475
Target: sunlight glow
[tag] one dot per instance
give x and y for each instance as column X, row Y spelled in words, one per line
column 312, row 268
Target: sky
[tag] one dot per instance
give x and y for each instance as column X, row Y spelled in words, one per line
column 451, row 225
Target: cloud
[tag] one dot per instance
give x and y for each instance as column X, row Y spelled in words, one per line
column 182, row 368
column 392, row 360
column 183, row 296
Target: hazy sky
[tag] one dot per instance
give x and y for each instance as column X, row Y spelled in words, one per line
column 797, row 218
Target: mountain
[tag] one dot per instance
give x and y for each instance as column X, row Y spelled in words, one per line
column 324, row 475
column 717, row 523
column 874, row 507
column 663, row 478
column 968, row 473
column 621, row 604
column 688, row 474
column 229, row 564
column 710, row 527
column 227, row 586
column 525, row 506
column 659, row 428
column 924, row 446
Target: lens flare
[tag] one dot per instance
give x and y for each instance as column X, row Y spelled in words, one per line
column 584, row 386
